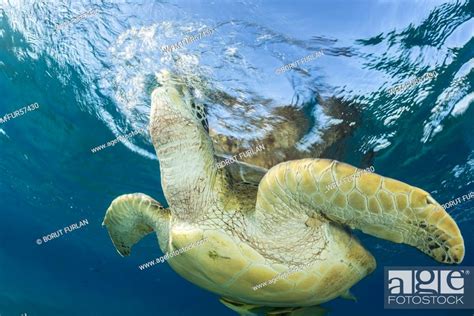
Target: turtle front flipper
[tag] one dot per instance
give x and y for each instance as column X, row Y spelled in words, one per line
column 379, row 206
column 131, row 217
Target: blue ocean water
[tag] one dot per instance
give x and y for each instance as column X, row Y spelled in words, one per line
column 91, row 66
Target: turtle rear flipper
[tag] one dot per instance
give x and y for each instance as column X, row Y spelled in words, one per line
column 131, row 217
column 244, row 309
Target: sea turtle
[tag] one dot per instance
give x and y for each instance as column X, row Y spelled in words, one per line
column 258, row 224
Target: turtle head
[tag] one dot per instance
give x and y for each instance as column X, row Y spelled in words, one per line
column 176, row 114
column 185, row 151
